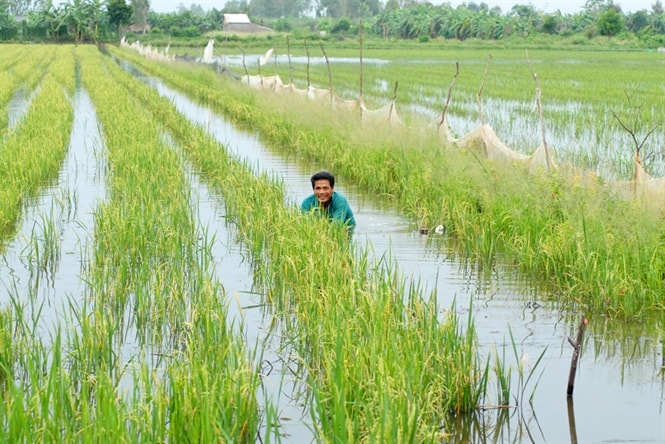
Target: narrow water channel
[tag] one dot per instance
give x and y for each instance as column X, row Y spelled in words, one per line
column 619, row 391
column 18, row 106
column 41, row 268
column 247, row 314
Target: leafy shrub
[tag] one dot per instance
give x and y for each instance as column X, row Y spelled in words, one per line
column 344, row 25
column 282, row 25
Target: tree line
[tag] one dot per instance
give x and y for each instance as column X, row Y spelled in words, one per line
column 105, row 20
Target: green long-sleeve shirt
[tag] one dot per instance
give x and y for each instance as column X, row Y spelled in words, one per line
column 338, row 209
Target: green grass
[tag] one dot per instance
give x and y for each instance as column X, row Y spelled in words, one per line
column 338, row 309
column 564, row 230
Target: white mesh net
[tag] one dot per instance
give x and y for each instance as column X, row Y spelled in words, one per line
column 482, row 140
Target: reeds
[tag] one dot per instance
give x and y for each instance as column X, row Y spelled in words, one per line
column 594, row 251
column 380, row 362
column 145, row 354
column 151, row 274
column 31, row 156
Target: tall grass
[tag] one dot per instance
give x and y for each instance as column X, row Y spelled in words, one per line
column 593, row 251
column 145, row 355
column 21, row 70
column 151, row 274
column 380, row 363
column 31, row 156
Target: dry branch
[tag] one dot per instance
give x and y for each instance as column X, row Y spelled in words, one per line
column 450, row 92
column 540, row 113
column 480, row 91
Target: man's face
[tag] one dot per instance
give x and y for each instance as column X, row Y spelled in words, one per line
column 323, row 190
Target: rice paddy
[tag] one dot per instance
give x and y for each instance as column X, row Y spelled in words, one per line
column 145, row 351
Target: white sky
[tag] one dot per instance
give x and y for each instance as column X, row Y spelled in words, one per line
column 565, row 6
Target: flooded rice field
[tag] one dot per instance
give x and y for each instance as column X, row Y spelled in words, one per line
column 620, row 385
column 619, row 390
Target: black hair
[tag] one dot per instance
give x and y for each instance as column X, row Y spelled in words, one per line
column 323, row 175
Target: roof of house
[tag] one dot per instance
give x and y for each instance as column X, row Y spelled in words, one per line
column 236, row 18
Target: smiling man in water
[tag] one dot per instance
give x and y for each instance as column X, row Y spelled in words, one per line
column 327, row 202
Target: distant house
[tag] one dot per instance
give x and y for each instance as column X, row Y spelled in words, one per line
column 241, row 23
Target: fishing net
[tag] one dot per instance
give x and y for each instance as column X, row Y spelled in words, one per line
column 148, row 51
column 386, row 113
column 642, row 187
column 485, row 142
column 262, row 82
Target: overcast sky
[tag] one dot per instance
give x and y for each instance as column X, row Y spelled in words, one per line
column 565, row 6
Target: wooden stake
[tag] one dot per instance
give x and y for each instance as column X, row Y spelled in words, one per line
column 307, row 50
column 243, row 64
column 288, row 54
column 577, row 344
column 360, row 82
column 330, row 80
column 540, row 113
column 480, row 91
column 571, row 421
column 450, row 92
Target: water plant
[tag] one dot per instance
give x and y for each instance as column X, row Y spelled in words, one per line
column 564, row 229
column 337, row 309
column 25, row 165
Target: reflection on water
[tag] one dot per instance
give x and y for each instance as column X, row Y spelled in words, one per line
column 18, row 106
column 606, row 392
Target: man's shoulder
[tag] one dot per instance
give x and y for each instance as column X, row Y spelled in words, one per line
column 308, row 202
column 339, row 197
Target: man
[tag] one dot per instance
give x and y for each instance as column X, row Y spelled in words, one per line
column 327, row 202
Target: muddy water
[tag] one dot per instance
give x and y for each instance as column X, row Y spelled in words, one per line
column 619, row 389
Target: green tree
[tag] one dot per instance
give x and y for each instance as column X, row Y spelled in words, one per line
column 141, row 9
column 597, row 6
column 347, row 8
column 8, row 28
column 120, row 13
column 550, row 24
column 236, row 6
column 657, row 8
column 22, row 7
column 93, row 10
column 197, row 10
column 637, row 21
column 610, row 23
column 525, row 19
column 48, row 18
column 75, row 18
column 392, row 5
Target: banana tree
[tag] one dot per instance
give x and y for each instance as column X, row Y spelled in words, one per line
column 49, row 18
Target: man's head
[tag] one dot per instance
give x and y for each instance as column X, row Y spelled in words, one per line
column 323, row 184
